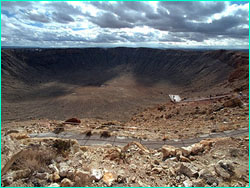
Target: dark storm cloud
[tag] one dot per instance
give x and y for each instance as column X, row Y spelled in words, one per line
column 62, row 18
column 62, row 12
column 11, row 4
column 172, row 16
column 192, row 10
column 65, row 8
column 109, row 20
column 128, row 13
column 38, row 17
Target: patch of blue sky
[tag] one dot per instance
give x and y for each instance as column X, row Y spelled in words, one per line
column 77, row 29
column 239, row 2
column 5, row 12
column 36, row 24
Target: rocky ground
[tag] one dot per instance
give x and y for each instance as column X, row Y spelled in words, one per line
column 56, row 162
column 52, row 162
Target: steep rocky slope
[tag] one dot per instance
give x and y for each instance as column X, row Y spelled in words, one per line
column 104, row 83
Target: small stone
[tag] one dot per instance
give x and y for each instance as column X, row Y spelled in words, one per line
column 133, row 179
column 157, row 170
column 184, row 159
column 156, row 162
column 66, row 183
column 63, row 169
column 53, row 168
column 188, row 183
column 97, row 174
column 198, row 183
column 7, row 180
column 42, row 176
column 56, row 177
column 54, row 185
column 108, row 178
column 178, row 178
column 84, row 148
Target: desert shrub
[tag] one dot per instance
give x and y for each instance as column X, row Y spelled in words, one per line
column 62, row 146
column 34, row 159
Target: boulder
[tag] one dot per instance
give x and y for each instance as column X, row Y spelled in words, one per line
column 224, row 168
column 187, row 169
column 82, row 178
column 208, row 177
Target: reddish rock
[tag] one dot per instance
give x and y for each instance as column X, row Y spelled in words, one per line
column 73, row 121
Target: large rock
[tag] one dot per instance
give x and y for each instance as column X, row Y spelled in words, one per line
column 224, row 168
column 208, row 177
column 63, row 169
column 187, row 169
column 168, row 151
column 82, row 178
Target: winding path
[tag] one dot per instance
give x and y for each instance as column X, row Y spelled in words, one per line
column 154, row 144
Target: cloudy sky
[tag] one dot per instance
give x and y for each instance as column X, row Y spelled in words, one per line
column 215, row 24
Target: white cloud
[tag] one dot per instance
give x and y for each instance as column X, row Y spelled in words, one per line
column 147, row 24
